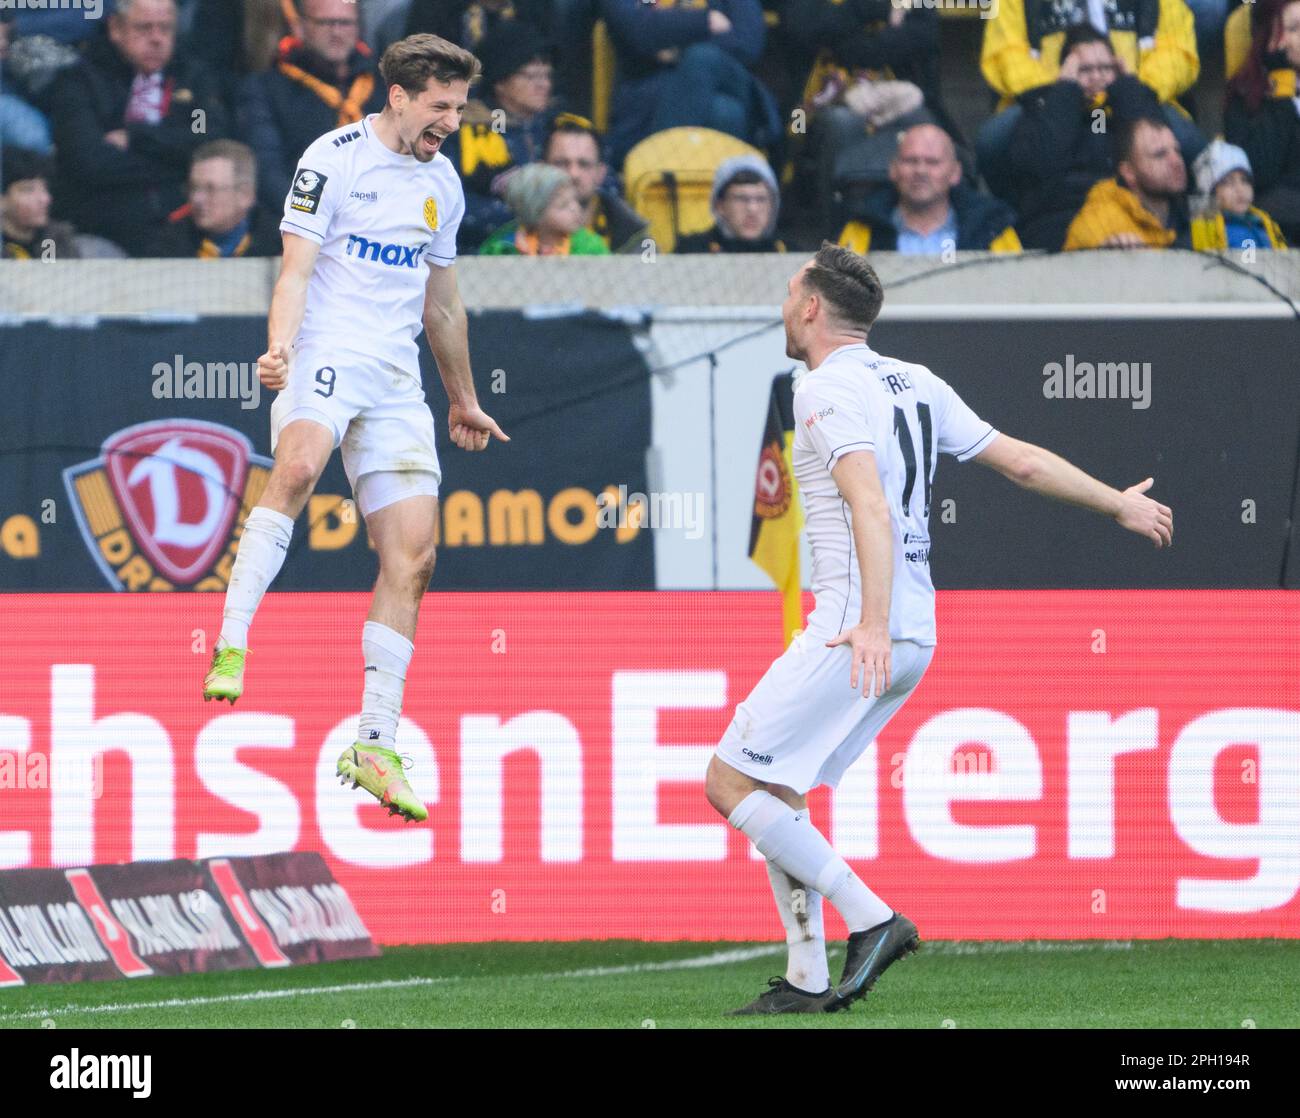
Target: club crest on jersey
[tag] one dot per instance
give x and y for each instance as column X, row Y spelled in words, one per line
column 307, row 189
column 772, row 488
column 165, row 503
column 431, row 213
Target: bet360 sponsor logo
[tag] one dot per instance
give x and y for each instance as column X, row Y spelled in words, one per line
column 164, row 505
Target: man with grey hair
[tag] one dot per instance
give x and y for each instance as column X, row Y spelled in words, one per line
column 869, row 430
column 222, row 217
column 126, row 123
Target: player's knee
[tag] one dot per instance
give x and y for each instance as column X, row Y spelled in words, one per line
column 426, row 559
column 298, row 474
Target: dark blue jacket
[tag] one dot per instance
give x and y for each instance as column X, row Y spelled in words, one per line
column 981, row 218
column 639, row 30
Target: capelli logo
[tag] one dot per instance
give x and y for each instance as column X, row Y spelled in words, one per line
column 115, row 1073
column 758, row 758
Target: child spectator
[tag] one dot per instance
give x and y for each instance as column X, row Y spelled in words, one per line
column 548, row 218
column 1230, row 219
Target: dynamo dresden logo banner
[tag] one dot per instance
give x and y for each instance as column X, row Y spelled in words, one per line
column 163, row 505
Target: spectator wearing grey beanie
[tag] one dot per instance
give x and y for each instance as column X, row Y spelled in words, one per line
column 548, row 217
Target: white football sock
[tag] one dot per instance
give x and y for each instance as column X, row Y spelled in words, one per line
column 805, row 935
column 262, row 547
column 388, row 654
column 803, row 852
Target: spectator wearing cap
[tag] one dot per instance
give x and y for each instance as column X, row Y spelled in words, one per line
column 1230, row 219
column 745, row 201
column 1144, row 205
column 688, row 65
column 503, row 128
column 1262, row 115
column 574, row 147
column 222, row 217
column 1062, row 145
column 323, row 78
column 127, row 120
column 26, row 231
column 926, row 209
column 548, row 218
column 1154, row 40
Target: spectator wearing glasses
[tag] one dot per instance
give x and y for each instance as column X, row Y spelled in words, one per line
column 504, row 128
column 222, row 218
column 574, row 147
column 324, row 78
column 1023, row 48
column 1062, row 145
column 127, row 120
column 745, row 201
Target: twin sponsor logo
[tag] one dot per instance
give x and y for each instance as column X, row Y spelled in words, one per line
column 818, row 415
column 164, row 505
column 395, row 256
column 113, row 1073
column 307, row 190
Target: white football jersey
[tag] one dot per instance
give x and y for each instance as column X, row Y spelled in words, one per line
column 380, row 219
column 905, row 415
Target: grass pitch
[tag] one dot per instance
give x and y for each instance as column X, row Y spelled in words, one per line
column 626, row 985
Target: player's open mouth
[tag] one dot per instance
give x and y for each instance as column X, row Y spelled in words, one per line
column 431, row 141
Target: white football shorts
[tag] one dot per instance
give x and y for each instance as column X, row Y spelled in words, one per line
column 803, row 725
column 377, row 413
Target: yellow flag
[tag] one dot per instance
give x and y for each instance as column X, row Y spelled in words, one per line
column 778, row 520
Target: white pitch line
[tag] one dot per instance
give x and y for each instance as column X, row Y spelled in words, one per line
column 718, row 958
column 715, row 959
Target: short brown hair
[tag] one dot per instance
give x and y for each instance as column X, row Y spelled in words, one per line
column 240, row 155
column 849, row 285
column 412, row 61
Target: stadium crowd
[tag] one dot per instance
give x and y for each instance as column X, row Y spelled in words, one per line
column 173, row 127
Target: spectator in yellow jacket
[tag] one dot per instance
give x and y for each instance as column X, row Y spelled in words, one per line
column 1155, row 40
column 1144, row 205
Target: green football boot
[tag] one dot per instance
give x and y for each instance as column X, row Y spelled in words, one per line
column 379, row 772
column 225, row 679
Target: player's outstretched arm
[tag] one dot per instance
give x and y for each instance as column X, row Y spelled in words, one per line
column 1034, row 467
column 288, row 305
column 858, row 481
column 447, row 328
